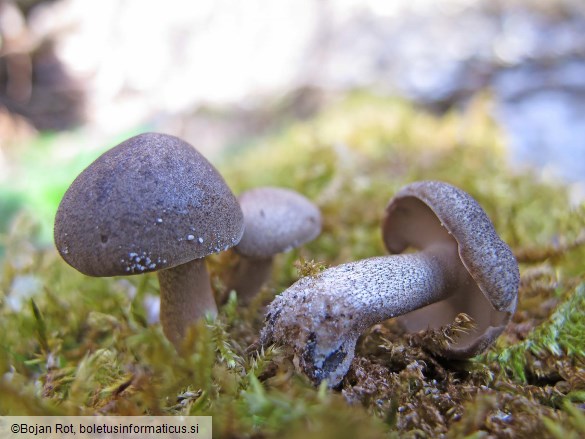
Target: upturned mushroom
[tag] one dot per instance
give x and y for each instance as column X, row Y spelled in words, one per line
column 462, row 266
column 276, row 221
column 152, row 203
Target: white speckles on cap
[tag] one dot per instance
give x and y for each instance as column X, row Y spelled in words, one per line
column 108, row 210
column 141, row 262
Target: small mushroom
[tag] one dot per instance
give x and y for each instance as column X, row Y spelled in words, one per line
column 276, row 221
column 462, row 266
column 152, row 203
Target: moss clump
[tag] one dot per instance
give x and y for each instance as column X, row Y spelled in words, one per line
column 77, row 345
column 554, row 350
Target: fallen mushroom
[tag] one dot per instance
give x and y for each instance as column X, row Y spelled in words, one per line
column 462, row 267
column 152, row 203
column 276, row 221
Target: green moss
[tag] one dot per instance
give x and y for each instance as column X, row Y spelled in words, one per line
column 572, row 425
column 77, row 345
column 553, row 346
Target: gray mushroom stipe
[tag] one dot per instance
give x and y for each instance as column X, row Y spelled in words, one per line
column 176, row 287
column 320, row 318
column 151, row 203
column 276, row 221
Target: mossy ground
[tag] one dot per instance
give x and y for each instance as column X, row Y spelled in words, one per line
column 76, row 345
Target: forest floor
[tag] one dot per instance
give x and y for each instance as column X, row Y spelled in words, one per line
column 74, row 345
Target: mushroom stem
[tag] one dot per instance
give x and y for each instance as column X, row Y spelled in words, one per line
column 322, row 317
column 248, row 276
column 185, row 296
column 410, row 281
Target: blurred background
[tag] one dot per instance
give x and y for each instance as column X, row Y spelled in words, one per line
column 77, row 77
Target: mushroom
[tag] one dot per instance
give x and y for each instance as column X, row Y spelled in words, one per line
column 276, row 221
column 462, row 266
column 152, row 203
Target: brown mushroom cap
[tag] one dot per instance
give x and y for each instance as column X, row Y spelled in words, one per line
column 152, row 202
column 276, row 220
column 427, row 212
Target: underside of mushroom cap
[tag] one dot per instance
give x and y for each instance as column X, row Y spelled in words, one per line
column 150, row 203
column 428, row 211
column 276, row 220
